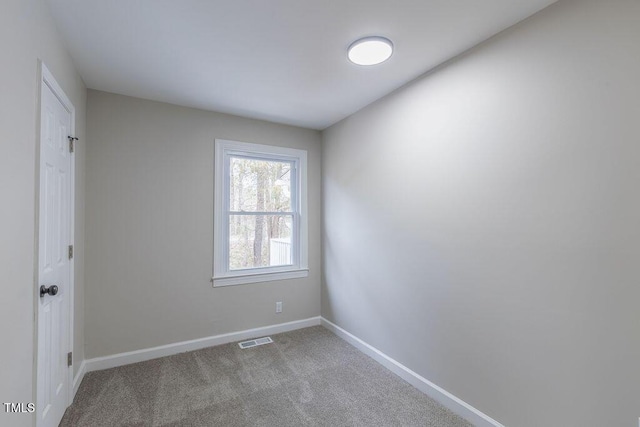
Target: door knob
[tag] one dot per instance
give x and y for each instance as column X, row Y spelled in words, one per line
column 51, row 290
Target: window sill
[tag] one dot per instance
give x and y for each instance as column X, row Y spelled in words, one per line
column 259, row 277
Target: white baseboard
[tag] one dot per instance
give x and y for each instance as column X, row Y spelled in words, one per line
column 78, row 378
column 438, row 394
column 129, row 357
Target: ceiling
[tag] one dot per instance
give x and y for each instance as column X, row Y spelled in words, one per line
column 278, row 60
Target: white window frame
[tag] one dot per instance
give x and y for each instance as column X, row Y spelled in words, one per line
column 222, row 275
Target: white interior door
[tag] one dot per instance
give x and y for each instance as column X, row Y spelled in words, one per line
column 54, row 269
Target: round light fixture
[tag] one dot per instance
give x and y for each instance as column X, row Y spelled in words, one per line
column 370, row 50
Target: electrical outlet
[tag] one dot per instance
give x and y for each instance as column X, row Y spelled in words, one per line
column 279, row 307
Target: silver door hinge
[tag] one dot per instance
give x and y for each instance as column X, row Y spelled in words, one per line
column 70, row 251
column 72, row 139
column 69, row 358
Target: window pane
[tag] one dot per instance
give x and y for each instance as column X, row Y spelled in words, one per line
column 259, row 241
column 259, row 185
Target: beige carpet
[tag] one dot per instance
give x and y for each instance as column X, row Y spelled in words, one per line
column 308, row 377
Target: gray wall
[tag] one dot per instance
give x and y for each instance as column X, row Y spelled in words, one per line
column 27, row 33
column 150, row 227
column 481, row 223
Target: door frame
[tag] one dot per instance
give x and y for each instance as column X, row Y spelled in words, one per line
column 45, row 78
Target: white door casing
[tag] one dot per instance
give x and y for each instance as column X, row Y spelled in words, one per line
column 55, row 267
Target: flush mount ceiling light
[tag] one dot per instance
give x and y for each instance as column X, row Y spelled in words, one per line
column 370, row 50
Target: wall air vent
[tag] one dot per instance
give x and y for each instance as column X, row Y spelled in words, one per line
column 255, row 343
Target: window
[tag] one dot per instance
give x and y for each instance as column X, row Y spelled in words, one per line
column 260, row 222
